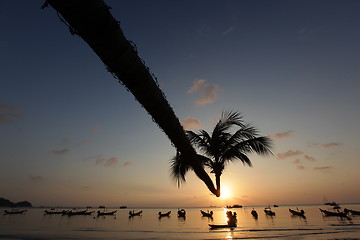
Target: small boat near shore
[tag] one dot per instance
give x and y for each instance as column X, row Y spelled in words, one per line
column 105, row 213
column 352, row 212
column 215, row 226
column 207, row 214
column 133, row 213
column 54, row 211
column 300, row 213
column 15, row 211
column 167, row 214
column 254, row 214
column 269, row 212
column 78, row 212
column 338, row 213
column 181, row 213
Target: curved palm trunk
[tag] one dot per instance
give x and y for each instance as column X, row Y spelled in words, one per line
column 92, row 21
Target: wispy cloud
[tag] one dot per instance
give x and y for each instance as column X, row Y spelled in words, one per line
column 328, row 145
column 229, row 30
column 126, row 164
column 282, row 135
column 110, row 162
column 300, row 167
column 60, row 151
column 323, row 168
column 288, row 154
column 308, row 158
column 36, row 178
column 190, row 122
column 10, row 113
column 208, row 92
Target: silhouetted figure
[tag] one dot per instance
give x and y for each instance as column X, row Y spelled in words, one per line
column 254, row 214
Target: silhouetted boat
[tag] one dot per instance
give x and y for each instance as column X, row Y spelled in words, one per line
column 133, row 213
column 164, row 214
column 337, row 213
column 123, row 207
column 101, row 206
column 300, row 213
column 78, row 212
column 215, row 226
column 103, row 213
column 206, row 214
column 254, row 213
column 181, row 213
column 276, row 205
column 53, row 211
column 269, row 212
column 15, row 211
column 353, row 212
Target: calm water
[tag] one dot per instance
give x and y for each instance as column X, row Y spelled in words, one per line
column 35, row 225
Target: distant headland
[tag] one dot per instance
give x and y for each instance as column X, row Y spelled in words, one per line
column 7, row 203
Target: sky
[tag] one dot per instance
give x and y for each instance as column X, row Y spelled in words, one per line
column 71, row 135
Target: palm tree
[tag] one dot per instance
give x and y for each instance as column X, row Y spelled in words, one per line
column 221, row 147
column 93, row 22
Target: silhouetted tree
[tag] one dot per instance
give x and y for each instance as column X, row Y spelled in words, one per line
column 222, row 147
column 93, row 22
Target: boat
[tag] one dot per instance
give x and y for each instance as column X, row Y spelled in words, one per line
column 78, row 212
column 53, row 211
column 254, row 213
column 167, row 214
column 269, row 212
column 181, row 213
column 101, row 206
column 133, row 213
column 327, row 213
column 215, row 226
column 275, row 205
column 104, row 213
column 123, row 207
column 207, row 214
column 353, row 212
column 15, row 211
column 300, row 213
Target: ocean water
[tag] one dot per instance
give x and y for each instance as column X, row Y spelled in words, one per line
column 35, row 225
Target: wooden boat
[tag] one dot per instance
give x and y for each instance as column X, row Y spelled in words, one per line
column 215, row 226
column 327, row 213
column 181, row 213
column 206, row 214
column 123, row 207
column 53, row 211
column 269, row 212
column 300, row 213
column 254, row 213
column 104, row 213
column 353, row 212
column 133, row 213
column 164, row 214
column 235, row 206
column 15, row 211
column 78, row 212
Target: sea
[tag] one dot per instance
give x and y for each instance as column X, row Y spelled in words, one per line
column 34, row 224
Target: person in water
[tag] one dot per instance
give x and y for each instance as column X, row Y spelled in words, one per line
column 231, row 219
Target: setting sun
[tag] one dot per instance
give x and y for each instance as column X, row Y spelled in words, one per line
column 226, row 193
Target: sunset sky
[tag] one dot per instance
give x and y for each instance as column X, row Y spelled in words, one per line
column 71, row 135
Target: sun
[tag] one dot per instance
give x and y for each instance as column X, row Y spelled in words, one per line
column 226, row 192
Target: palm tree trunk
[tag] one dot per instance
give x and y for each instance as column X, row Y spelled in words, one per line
column 92, row 21
column 217, row 179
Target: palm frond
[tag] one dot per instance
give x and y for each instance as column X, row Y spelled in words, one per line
column 178, row 169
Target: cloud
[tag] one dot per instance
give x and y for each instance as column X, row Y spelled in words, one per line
column 311, row 159
column 126, row 164
column 328, row 145
column 209, row 92
column 324, row 168
column 95, row 128
column 190, row 122
column 282, row 135
column 110, row 162
column 197, row 84
column 10, row 113
column 229, row 30
column 300, row 167
column 36, row 178
column 296, row 161
column 287, row 154
column 60, row 151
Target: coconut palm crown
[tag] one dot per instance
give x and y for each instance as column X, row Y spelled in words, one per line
column 221, row 147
